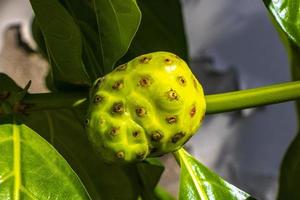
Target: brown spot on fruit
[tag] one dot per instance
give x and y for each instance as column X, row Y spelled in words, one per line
column 98, row 99
column 121, row 67
column 156, row 135
column 114, row 131
column 136, row 133
column 141, row 155
column 193, row 111
column 118, row 85
column 171, row 119
column 202, row 118
column 145, row 59
column 172, row 95
column 120, row 155
column 118, row 108
column 195, row 83
column 99, row 82
column 177, row 137
column 141, row 112
column 145, row 81
column 181, row 80
column 168, row 61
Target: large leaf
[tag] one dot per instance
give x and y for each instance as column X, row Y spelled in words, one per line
column 30, row 168
column 63, row 42
column 285, row 16
column 64, row 130
column 118, row 21
column 85, row 17
column 198, row 182
column 99, row 33
column 161, row 29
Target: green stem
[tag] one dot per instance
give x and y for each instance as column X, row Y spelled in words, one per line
column 216, row 103
column 48, row 101
column 277, row 93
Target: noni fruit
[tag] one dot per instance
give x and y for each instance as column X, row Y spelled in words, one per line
column 147, row 107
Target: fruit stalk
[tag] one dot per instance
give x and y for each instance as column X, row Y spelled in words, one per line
column 271, row 94
column 216, row 103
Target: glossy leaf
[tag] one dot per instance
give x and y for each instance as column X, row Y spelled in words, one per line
column 118, row 22
column 85, row 17
column 64, row 130
column 285, row 20
column 161, row 29
column 287, row 15
column 30, row 168
column 198, row 182
column 63, row 42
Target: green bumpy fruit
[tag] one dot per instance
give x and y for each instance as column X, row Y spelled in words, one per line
column 145, row 108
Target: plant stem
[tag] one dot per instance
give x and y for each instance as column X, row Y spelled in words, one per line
column 48, row 101
column 230, row 101
column 216, row 103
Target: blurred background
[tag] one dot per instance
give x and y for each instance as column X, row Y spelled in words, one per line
column 233, row 46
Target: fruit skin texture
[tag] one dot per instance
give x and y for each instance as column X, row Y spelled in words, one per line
column 145, row 108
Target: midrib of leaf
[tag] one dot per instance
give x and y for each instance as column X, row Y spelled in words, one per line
column 99, row 33
column 117, row 19
column 199, row 187
column 17, row 162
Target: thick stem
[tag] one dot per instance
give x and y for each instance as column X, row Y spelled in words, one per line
column 48, row 101
column 216, row 103
column 277, row 93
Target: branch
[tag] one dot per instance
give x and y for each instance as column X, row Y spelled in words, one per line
column 272, row 94
column 216, row 103
column 48, row 101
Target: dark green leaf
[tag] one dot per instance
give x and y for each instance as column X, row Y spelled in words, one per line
column 285, row 16
column 30, row 168
column 10, row 94
column 7, row 84
column 85, row 17
column 118, row 22
column 149, row 175
column 161, row 29
column 64, row 130
column 198, row 182
column 63, row 42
